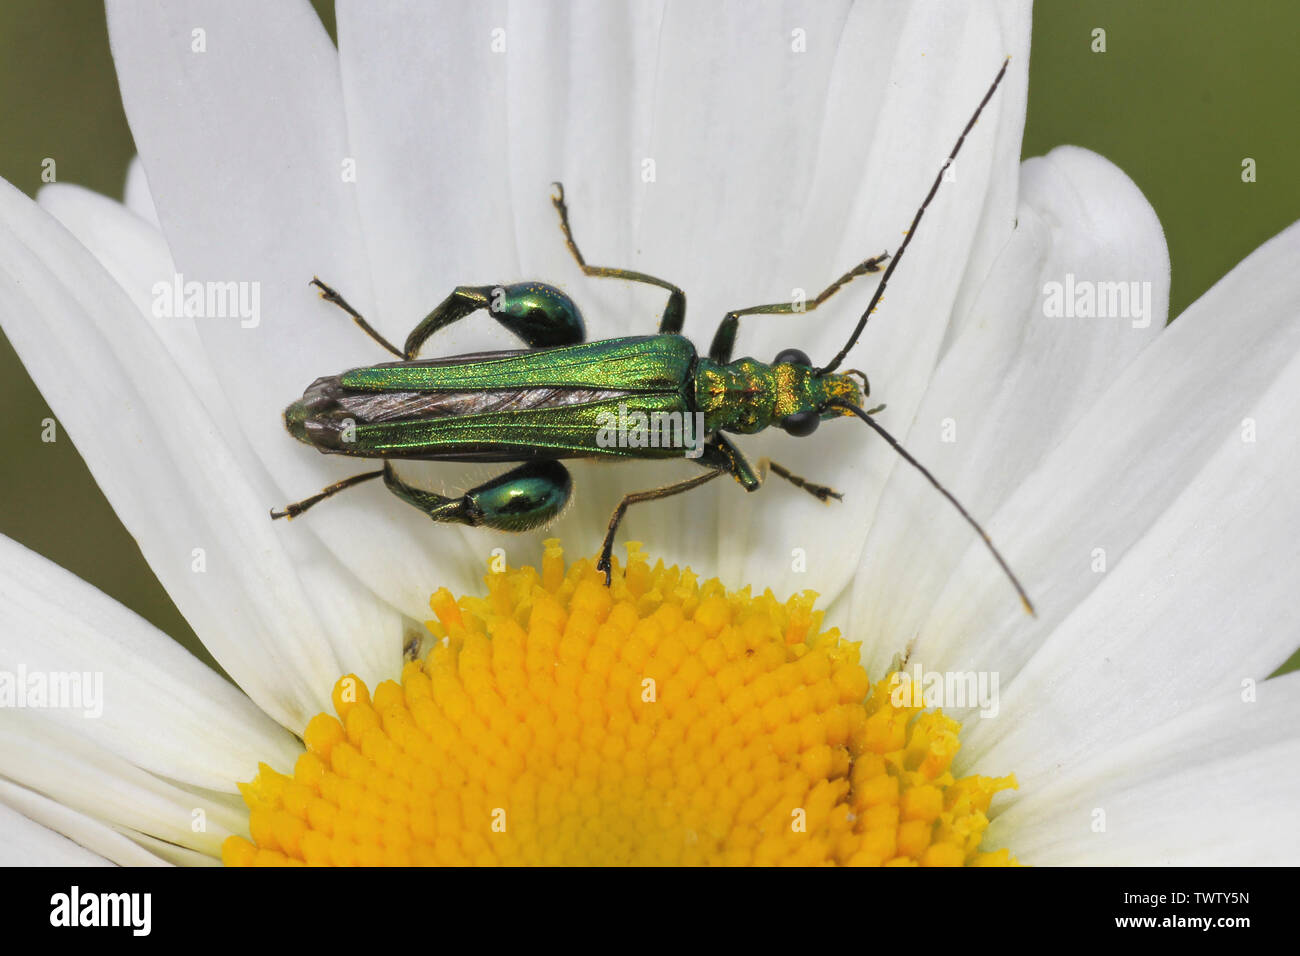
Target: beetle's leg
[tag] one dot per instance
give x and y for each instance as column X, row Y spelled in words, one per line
column 721, row 453
column 674, row 312
column 721, row 457
column 820, row 492
column 724, row 340
column 522, row 499
column 667, row 491
column 538, row 314
column 298, row 507
column 329, row 295
column 463, row 301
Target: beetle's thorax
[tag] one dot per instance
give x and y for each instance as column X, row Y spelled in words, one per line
column 746, row 395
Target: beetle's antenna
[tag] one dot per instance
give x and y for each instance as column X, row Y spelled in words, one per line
column 834, row 363
column 1024, row 598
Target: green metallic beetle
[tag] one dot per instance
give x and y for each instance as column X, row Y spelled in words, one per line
column 557, row 398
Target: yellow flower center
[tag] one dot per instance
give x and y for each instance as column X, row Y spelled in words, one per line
column 657, row 721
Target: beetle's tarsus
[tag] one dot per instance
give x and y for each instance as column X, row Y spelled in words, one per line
column 292, row 511
column 823, row 493
column 325, row 292
column 329, row 295
column 872, row 264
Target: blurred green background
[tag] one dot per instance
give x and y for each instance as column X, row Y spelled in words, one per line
column 1184, row 91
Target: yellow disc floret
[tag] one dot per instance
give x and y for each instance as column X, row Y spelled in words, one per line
column 662, row 720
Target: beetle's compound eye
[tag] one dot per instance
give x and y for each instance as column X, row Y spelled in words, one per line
column 792, row 357
column 801, row 423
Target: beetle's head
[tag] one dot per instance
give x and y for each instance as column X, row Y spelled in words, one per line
column 806, row 397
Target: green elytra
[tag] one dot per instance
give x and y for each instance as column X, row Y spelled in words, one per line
column 556, row 399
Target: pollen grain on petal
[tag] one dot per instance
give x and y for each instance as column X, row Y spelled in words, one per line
column 662, row 720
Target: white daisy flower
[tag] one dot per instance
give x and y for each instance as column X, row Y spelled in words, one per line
column 1137, row 477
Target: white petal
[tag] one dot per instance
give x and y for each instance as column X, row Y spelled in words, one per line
column 135, row 254
column 161, row 463
column 170, row 853
column 1202, row 601
column 138, row 198
column 1197, row 526
column 865, row 192
column 426, row 115
column 43, row 756
column 579, row 99
column 1003, row 197
column 1217, row 786
column 24, row 842
column 1012, row 385
column 1145, row 440
column 101, row 844
column 151, row 702
column 245, row 145
column 365, row 633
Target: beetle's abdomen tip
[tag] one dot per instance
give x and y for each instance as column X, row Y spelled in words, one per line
column 295, row 421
